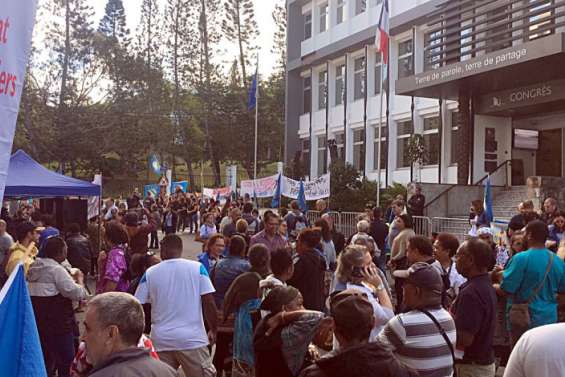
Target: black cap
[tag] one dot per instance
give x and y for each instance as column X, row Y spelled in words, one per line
column 422, row 275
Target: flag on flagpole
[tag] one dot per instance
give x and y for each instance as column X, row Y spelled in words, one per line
column 22, row 355
column 302, row 197
column 154, row 164
column 487, row 203
column 382, row 38
column 276, row 202
column 252, row 101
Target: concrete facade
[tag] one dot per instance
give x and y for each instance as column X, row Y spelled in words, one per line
column 341, row 34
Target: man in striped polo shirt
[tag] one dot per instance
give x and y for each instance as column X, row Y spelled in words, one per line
column 424, row 337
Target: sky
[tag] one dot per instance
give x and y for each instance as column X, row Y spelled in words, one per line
column 263, row 10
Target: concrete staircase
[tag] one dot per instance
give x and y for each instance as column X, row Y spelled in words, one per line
column 505, row 203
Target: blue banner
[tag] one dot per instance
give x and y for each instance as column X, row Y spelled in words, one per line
column 21, row 354
column 151, row 188
column 182, row 184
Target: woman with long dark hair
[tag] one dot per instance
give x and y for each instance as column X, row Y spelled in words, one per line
column 113, row 265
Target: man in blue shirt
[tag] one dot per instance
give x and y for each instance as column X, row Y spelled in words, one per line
column 526, row 271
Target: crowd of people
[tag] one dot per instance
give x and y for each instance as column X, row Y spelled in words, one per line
column 274, row 294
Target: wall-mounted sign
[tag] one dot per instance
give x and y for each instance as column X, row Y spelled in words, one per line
column 543, row 92
column 489, row 62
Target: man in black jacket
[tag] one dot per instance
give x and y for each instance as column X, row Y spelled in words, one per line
column 309, row 269
column 79, row 253
column 113, row 324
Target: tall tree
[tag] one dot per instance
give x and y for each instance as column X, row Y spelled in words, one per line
column 279, row 38
column 181, row 42
column 208, row 36
column 113, row 23
column 240, row 26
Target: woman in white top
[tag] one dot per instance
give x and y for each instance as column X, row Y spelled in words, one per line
column 327, row 244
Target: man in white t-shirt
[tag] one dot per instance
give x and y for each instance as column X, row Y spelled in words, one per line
column 538, row 353
column 180, row 294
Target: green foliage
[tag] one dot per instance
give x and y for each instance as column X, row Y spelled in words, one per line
column 391, row 192
column 349, row 191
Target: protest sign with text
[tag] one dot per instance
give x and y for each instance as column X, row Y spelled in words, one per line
column 17, row 19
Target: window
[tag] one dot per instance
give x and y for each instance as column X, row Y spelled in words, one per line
column 307, row 95
column 405, row 59
column 359, row 149
column 306, row 155
column 497, row 38
column 540, row 20
column 431, row 140
column 378, row 73
column 322, row 89
column 340, row 11
column 433, row 56
column 360, row 6
column 454, row 137
column 307, row 25
column 382, row 145
column 321, row 155
column 359, row 78
column 339, row 84
column 340, row 144
column 323, row 17
column 405, row 129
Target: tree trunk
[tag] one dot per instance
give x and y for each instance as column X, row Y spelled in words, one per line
column 241, row 54
column 464, row 125
column 191, row 182
column 62, row 93
column 204, row 31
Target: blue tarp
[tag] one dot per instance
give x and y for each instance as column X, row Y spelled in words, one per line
column 28, row 178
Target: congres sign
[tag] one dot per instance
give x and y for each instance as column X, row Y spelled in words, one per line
column 523, row 96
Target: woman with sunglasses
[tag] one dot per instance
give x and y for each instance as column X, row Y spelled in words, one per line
column 556, row 231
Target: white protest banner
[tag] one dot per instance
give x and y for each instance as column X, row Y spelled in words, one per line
column 16, row 27
column 264, row 187
column 313, row 190
column 94, row 201
column 211, row 193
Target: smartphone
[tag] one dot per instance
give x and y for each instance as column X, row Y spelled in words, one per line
column 357, row 272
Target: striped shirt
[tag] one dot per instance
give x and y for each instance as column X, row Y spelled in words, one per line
column 418, row 343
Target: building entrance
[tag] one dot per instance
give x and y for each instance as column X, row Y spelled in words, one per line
column 549, row 160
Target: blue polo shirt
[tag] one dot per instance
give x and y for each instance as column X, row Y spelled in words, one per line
column 524, row 272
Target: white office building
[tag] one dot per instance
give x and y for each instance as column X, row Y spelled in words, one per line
column 497, row 61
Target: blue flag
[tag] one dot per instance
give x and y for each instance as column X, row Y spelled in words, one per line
column 154, row 164
column 302, row 197
column 487, row 203
column 252, row 101
column 21, row 356
column 276, row 202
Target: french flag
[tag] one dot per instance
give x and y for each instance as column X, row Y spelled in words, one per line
column 381, row 40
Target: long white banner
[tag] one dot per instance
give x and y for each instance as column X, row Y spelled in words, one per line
column 313, row 190
column 265, row 187
column 17, row 19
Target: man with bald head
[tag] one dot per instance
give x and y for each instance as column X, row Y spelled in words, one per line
column 550, row 211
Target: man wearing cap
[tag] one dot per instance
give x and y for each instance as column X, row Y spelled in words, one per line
column 25, row 249
column 352, row 320
column 423, row 338
column 474, row 311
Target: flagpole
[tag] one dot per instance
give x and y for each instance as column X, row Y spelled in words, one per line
column 380, row 135
column 256, row 118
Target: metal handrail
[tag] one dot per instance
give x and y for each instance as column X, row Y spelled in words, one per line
column 444, row 192
column 506, row 162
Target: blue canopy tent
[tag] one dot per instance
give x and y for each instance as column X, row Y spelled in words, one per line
column 28, row 178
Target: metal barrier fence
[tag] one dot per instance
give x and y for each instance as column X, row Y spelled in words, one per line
column 346, row 223
column 455, row 226
column 422, row 226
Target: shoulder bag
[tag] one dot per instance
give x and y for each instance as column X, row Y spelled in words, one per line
column 519, row 314
column 445, row 337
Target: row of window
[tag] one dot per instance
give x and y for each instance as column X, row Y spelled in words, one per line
column 339, row 9
column 405, row 69
column 405, row 130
